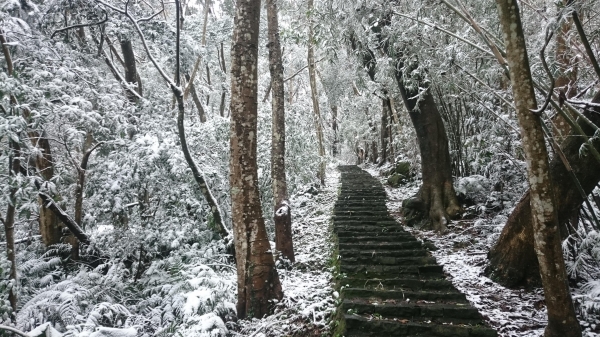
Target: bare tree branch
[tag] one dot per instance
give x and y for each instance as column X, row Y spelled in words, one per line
column 81, row 25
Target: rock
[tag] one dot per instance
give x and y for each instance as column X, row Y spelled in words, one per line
column 395, row 179
column 402, row 168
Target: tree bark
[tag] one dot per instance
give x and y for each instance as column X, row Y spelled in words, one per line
column 561, row 313
column 513, row 262
column 131, row 75
column 258, row 282
column 282, row 212
column 315, row 94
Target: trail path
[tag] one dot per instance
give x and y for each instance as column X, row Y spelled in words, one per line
column 392, row 284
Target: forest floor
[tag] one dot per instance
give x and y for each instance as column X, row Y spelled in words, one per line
column 309, row 298
column 462, row 250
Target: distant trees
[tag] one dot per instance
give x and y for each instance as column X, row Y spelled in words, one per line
column 258, row 281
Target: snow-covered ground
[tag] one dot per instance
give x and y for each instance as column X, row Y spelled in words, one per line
column 308, row 302
column 462, row 250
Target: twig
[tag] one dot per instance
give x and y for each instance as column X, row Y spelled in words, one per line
column 81, row 25
column 150, row 17
column 434, row 26
column 549, row 34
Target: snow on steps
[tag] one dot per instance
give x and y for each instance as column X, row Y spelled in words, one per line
column 391, row 284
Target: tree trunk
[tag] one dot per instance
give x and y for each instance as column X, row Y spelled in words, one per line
column 196, row 100
column 50, row 225
column 282, row 212
column 222, row 106
column 513, row 262
column 566, row 81
column 436, row 198
column 258, row 282
column 561, row 313
column 131, row 75
column 87, row 151
column 334, row 128
column 315, row 94
column 9, row 223
column 385, row 113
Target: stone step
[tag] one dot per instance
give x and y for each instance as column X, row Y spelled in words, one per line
column 362, row 218
column 355, row 230
column 406, row 296
column 349, row 253
column 375, row 232
column 358, row 326
column 361, row 213
column 400, row 283
column 360, row 206
column 375, row 237
column 370, row 246
column 386, row 222
column 413, row 310
column 389, row 260
column 382, row 271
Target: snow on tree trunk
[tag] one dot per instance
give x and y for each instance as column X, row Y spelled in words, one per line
column 258, row 282
column 314, row 93
column 282, row 212
column 512, row 259
column 561, row 313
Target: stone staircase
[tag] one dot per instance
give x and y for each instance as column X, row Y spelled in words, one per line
column 392, row 286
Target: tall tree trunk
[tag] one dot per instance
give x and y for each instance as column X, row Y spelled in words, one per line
column 258, row 282
column 315, row 94
column 50, row 226
column 385, row 113
column 561, row 313
column 334, row 128
column 9, row 224
column 566, row 81
column 282, row 213
column 222, row 106
column 197, row 100
column 436, row 198
column 513, row 262
column 131, row 74
column 81, row 170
